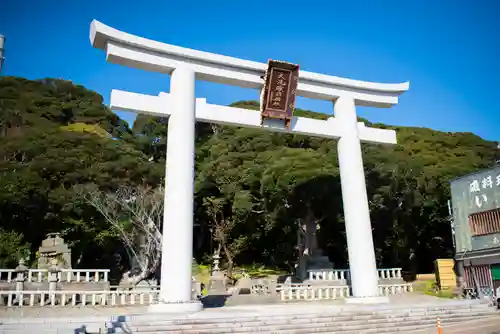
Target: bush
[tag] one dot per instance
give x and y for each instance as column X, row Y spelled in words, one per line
column 431, row 288
column 255, row 270
column 12, row 248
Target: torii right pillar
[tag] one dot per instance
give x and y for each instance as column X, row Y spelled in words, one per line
column 362, row 264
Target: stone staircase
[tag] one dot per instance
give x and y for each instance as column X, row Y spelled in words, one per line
column 314, row 319
column 348, row 322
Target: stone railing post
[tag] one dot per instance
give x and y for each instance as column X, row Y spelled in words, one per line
column 272, row 288
column 196, row 289
column 399, row 273
column 21, row 276
column 53, row 272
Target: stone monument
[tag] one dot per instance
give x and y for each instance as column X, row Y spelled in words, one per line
column 311, row 257
column 218, row 280
column 54, row 247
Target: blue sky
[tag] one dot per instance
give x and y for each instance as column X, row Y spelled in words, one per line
column 449, row 50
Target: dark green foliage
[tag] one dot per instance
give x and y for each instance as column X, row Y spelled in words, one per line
column 264, row 183
column 42, row 163
column 12, row 248
column 277, row 180
column 47, row 103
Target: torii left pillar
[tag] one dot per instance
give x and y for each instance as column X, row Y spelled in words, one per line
column 176, row 288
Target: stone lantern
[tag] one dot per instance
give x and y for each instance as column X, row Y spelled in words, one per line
column 54, row 247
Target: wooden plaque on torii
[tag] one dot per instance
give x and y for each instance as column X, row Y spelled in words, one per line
column 280, row 89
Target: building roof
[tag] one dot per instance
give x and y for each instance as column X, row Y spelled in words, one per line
column 480, row 171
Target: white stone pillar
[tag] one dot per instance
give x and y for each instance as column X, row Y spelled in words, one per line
column 177, row 242
column 362, row 263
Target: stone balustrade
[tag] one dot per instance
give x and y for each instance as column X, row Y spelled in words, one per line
column 301, row 291
column 344, row 274
column 118, row 296
column 7, row 275
column 54, row 287
column 115, row 296
column 79, row 298
column 394, row 289
column 306, row 292
column 84, row 275
column 64, row 275
column 390, row 273
column 328, row 275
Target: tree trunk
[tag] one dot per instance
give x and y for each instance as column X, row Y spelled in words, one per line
column 144, row 262
column 230, row 262
column 230, row 265
column 131, row 281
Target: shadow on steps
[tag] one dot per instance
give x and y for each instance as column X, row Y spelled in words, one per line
column 214, row 301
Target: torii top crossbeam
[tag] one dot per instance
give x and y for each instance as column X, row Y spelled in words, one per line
column 134, row 51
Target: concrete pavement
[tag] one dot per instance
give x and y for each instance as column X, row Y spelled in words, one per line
column 483, row 326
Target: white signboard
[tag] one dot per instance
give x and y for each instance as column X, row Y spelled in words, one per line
column 476, row 185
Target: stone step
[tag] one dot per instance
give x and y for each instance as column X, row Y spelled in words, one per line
column 317, row 318
column 391, row 324
column 316, row 326
column 53, row 328
column 50, row 326
column 296, row 319
column 332, row 314
column 324, row 328
column 230, row 317
column 311, row 327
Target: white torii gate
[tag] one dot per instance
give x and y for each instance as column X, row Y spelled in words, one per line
column 184, row 109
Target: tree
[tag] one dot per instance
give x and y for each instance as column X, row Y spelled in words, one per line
column 44, row 161
column 222, row 228
column 57, row 137
column 136, row 214
column 48, row 103
column 12, row 248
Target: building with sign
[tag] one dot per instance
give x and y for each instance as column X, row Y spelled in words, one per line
column 476, row 229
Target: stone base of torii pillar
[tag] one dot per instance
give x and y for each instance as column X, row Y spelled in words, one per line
column 181, row 307
column 367, row 300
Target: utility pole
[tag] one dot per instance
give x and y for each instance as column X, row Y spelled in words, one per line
column 2, row 48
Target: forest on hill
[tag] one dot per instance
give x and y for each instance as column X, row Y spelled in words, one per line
column 56, row 136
